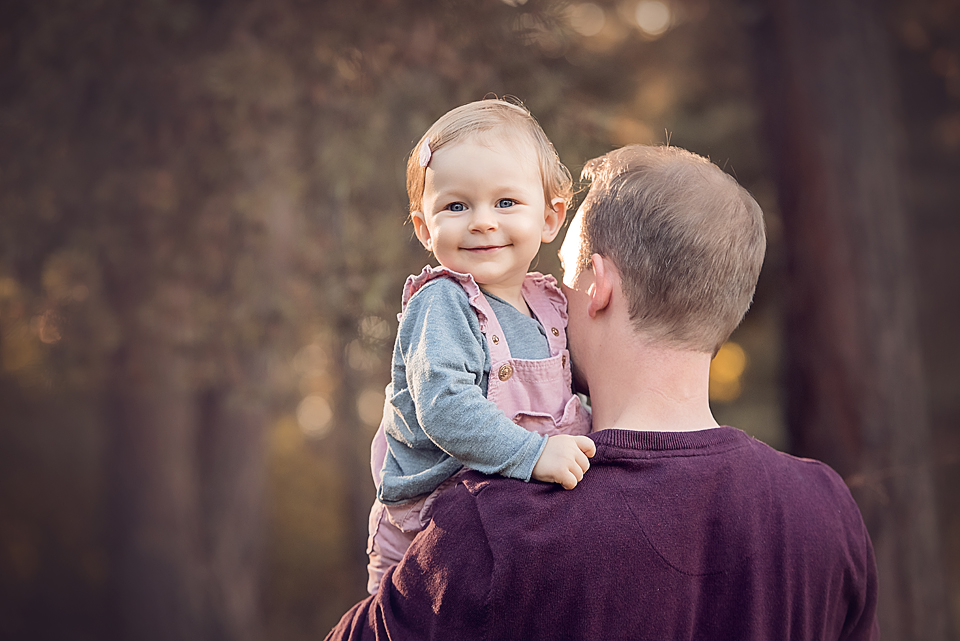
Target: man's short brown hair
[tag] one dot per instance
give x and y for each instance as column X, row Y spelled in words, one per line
column 687, row 239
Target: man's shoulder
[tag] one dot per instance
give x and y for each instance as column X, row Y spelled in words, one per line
column 482, row 487
column 496, row 500
column 800, row 473
column 811, row 496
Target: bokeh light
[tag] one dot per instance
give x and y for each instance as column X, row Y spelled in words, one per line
column 312, row 359
column 361, row 358
column 47, row 328
column 587, row 19
column 653, row 17
column 370, row 406
column 725, row 371
column 315, row 417
column 374, row 328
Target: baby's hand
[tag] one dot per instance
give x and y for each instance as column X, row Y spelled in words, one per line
column 564, row 460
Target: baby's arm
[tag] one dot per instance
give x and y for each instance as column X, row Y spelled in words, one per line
column 564, row 460
column 442, row 352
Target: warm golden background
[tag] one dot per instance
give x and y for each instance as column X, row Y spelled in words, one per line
column 202, row 246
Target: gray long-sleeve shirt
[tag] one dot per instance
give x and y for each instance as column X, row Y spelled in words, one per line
column 438, row 417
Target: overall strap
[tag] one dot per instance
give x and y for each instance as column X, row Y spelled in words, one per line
column 489, row 325
column 549, row 305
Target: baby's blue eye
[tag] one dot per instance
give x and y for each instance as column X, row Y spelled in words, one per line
column 456, row 207
column 503, row 203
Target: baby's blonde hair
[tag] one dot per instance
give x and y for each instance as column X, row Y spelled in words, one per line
column 483, row 117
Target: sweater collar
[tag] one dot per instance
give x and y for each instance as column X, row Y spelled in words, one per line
column 723, row 437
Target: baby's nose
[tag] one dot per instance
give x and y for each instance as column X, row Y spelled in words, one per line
column 483, row 219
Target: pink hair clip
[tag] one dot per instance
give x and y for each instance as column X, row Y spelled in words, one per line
column 425, row 153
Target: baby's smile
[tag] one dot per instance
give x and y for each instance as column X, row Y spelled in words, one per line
column 484, row 248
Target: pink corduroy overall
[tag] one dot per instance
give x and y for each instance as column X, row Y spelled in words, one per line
column 535, row 394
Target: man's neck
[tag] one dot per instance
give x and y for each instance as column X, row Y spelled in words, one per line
column 653, row 388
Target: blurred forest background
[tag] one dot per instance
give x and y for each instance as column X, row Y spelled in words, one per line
column 203, row 243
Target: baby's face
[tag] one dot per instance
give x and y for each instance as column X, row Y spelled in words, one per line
column 484, row 212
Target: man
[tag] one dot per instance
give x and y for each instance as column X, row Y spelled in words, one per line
column 681, row 529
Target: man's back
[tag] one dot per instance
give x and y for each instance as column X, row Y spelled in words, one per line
column 694, row 535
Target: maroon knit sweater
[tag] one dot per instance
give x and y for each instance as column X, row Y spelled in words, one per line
column 693, row 535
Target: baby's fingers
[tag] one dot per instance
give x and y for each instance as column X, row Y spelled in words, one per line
column 583, row 463
column 570, row 478
column 586, row 445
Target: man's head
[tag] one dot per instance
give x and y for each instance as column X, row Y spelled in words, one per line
column 686, row 239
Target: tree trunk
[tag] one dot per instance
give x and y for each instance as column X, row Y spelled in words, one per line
column 188, row 401
column 155, row 513
column 187, row 489
column 232, row 468
column 855, row 389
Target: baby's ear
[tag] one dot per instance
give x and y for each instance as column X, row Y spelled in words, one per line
column 421, row 230
column 553, row 217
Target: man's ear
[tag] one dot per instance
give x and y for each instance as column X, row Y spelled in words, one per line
column 604, row 280
column 421, row 230
column 553, row 217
